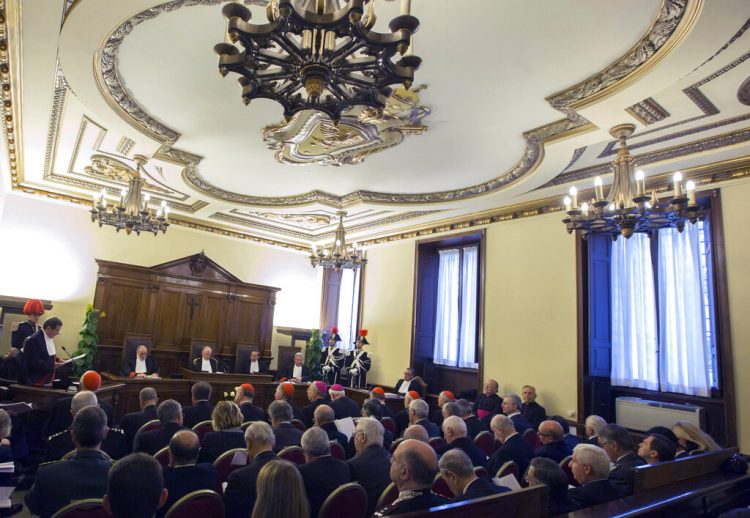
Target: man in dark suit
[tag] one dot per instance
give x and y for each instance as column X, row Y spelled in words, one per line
column 60, row 418
column 531, row 410
column 474, row 425
column 285, row 432
column 407, row 383
column 142, row 365
column 183, row 475
column 590, row 466
column 244, row 395
column 135, row 487
column 514, row 447
column 616, row 441
column 322, row 473
column 458, row 473
column 206, row 362
column 446, row 396
column 133, row 421
column 254, row 364
column 371, row 465
column 512, row 408
column 316, row 393
column 378, row 394
column 170, row 416
column 569, row 439
column 551, row 434
column 295, row 371
column 82, row 476
column 372, row 408
column 201, row 408
column 419, row 412
column 323, row 419
column 285, row 392
column 655, row 449
column 39, row 360
column 489, row 403
column 240, row 493
column 342, row 405
column 454, row 432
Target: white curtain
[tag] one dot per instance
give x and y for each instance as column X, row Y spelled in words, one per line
column 469, row 275
column 446, row 315
column 685, row 351
column 348, row 307
column 634, row 351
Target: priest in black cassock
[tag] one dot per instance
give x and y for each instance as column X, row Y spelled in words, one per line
column 332, row 359
column 358, row 362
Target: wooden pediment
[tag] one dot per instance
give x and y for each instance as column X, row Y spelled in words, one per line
column 199, row 266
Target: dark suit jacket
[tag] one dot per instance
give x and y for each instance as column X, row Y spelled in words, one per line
column 520, row 423
column 416, row 387
column 286, row 435
column 534, row 413
column 371, row 469
column 556, row 451
column 216, row 443
column 402, row 421
column 128, row 366
column 133, row 421
column 426, row 500
column 321, row 477
column 622, row 475
column 263, row 364
column 197, row 363
column 477, row 456
column 114, row 445
column 345, row 407
column 593, row 493
column 36, row 364
column 432, row 429
column 474, row 426
column 22, row 332
column 252, row 412
column 334, row 434
column 61, row 419
column 286, row 372
column 59, row 483
column 308, row 412
column 479, row 488
column 516, row 449
column 181, row 480
column 154, row 440
column 571, row 441
column 197, row 413
column 240, row 494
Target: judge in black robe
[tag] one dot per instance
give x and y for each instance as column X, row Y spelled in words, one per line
column 130, row 365
column 332, row 359
column 38, row 361
column 206, row 355
column 358, row 363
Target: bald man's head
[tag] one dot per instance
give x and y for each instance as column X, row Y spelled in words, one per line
column 183, row 448
column 417, row 432
column 414, row 465
column 323, row 414
column 550, row 431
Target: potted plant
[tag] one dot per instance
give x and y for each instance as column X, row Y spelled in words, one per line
column 87, row 345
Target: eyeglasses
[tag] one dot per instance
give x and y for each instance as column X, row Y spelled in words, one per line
column 540, row 434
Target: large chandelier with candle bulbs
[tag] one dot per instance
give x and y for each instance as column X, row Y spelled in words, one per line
column 628, row 207
column 339, row 255
column 131, row 212
column 318, row 54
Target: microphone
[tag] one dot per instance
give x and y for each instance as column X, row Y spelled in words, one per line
column 66, row 351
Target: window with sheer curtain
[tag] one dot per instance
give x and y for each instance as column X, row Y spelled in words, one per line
column 348, row 307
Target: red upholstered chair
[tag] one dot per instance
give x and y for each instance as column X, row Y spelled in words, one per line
column 496, row 445
column 389, row 424
column 440, row 487
column 484, row 441
column 202, row 428
column 223, row 465
column 299, row 425
column 437, row 442
column 481, row 472
column 565, row 465
column 151, row 425
column 198, row 503
column 162, row 456
column 532, row 438
column 348, row 500
column 293, row 454
column 508, row 468
column 89, row 508
column 337, row 451
column 388, row 496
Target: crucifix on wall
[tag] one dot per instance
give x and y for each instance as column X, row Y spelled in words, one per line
column 192, row 301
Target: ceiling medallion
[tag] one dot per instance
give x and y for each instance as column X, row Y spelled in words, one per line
column 311, row 138
column 318, row 54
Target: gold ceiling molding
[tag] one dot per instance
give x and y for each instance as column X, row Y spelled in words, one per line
column 10, row 16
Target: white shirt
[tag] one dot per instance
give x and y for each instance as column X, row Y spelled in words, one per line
column 50, row 345
column 404, row 388
column 140, row 366
column 206, row 365
column 254, row 367
column 297, row 372
column 514, row 413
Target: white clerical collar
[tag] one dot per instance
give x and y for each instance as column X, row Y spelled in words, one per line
column 254, row 367
column 50, row 345
column 140, row 365
column 206, row 365
column 297, row 371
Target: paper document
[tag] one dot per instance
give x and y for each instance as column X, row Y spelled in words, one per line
column 508, row 481
column 345, row 426
column 240, row 458
column 69, row 360
column 391, row 395
column 7, row 467
column 5, row 493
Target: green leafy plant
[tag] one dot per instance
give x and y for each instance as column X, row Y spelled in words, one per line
column 87, row 345
column 313, row 350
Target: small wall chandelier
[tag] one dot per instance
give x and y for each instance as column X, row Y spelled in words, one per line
column 338, row 256
column 628, row 208
column 318, row 54
column 131, row 212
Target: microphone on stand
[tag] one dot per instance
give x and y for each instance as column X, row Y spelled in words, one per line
column 66, row 351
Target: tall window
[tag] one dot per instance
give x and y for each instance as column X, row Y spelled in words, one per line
column 341, row 304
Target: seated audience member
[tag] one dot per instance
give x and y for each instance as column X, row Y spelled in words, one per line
column 254, row 364
column 60, row 417
column 454, row 432
column 616, row 441
column 133, row 421
column 281, row 421
column 419, row 410
column 474, row 426
column 549, row 473
column 407, row 383
column 206, row 362
column 590, row 466
column 201, row 408
column 170, row 416
column 488, row 403
column 444, row 397
column 531, row 410
column 323, row 419
column 372, row 408
column 142, row 365
column 83, row 476
column 514, row 446
column 402, row 418
column 449, row 409
column 512, row 409
column 692, row 439
column 594, row 424
column 240, row 493
column 281, row 493
column 458, row 473
column 417, row 433
column 285, row 392
column 184, row 475
column 316, row 393
column 378, row 394
column 342, row 405
column 135, row 487
column 551, row 435
column 322, row 473
column 227, row 435
column 295, row 371
column 413, row 468
column 569, row 439
column 244, row 396
column 371, row 465
column 655, row 449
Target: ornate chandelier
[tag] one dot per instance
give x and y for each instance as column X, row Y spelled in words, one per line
column 318, row 54
column 338, row 256
column 628, row 208
column 131, row 212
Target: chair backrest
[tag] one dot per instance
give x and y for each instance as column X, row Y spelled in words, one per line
column 481, row 472
column 154, row 424
column 346, row 500
column 88, row 508
column 198, row 503
column 440, row 487
column 389, row 424
column 422, row 384
column 388, row 496
column 242, row 355
column 507, row 468
column 484, row 441
column 565, row 465
column 532, row 438
column 437, row 442
column 162, row 456
column 293, row 454
column 337, row 451
column 202, row 428
column 299, row 425
column 130, row 343
column 224, row 466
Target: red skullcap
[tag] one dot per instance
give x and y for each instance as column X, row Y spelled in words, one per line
column 379, row 390
column 413, row 394
column 91, row 380
column 288, row 389
column 449, row 395
column 247, row 387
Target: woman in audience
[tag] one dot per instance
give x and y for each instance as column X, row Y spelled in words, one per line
column 280, row 491
column 226, row 419
column 693, row 440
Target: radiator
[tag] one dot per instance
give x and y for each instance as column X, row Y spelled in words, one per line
column 641, row 414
